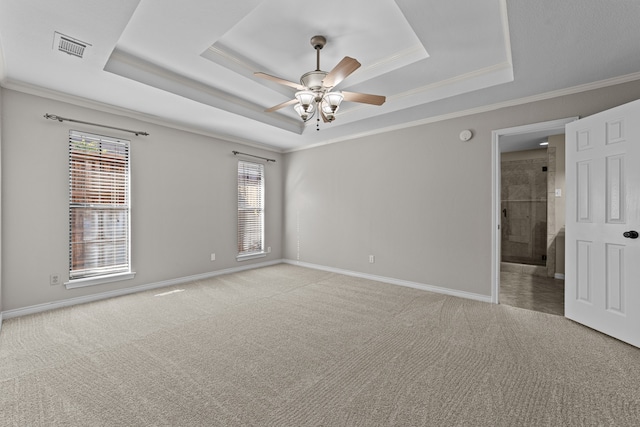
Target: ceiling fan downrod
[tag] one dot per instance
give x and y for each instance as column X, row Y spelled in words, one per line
column 318, row 43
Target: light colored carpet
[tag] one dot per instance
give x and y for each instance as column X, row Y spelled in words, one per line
column 289, row 346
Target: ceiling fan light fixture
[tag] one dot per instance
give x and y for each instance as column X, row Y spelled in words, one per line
column 304, row 115
column 333, row 100
column 328, row 111
column 306, row 99
column 315, row 91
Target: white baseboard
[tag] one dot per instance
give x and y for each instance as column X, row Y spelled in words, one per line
column 38, row 308
column 393, row 281
column 558, row 276
column 119, row 292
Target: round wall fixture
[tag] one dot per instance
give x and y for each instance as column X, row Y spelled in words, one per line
column 465, row 135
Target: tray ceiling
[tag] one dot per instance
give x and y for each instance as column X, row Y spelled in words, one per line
column 190, row 64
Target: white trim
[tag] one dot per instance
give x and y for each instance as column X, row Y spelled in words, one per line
column 136, row 115
column 247, row 257
column 558, row 276
column 495, row 190
column 506, row 33
column 453, row 80
column 393, row 281
column 478, row 110
column 99, row 280
column 397, row 56
column 495, row 222
column 38, row 308
column 129, row 114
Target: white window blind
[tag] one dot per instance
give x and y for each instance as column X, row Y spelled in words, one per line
column 250, row 209
column 98, row 205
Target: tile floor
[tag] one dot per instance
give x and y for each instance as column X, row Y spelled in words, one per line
column 536, row 293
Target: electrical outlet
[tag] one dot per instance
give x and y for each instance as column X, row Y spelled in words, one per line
column 213, row 257
column 268, row 249
column 372, row 259
column 54, row 279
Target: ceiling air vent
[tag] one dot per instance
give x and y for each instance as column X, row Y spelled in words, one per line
column 69, row 45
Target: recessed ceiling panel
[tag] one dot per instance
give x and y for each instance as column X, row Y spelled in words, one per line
column 274, row 38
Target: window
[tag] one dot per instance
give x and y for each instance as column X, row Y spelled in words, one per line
column 250, row 210
column 98, row 209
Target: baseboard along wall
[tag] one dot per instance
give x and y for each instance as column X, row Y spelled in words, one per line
column 38, row 308
column 165, row 283
column 394, row 281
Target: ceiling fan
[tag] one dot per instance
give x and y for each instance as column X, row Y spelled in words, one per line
column 315, row 90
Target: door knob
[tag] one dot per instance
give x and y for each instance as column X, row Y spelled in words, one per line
column 630, row 234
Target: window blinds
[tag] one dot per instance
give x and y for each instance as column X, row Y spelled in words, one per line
column 250, row 208
column 98, row 205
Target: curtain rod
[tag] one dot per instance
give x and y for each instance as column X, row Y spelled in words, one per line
column 235, row 153
column 64, row 119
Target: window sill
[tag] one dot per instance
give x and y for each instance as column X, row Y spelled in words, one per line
column 99, row 280
column 251, row 256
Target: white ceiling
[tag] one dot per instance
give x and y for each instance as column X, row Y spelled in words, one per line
column 190, row 63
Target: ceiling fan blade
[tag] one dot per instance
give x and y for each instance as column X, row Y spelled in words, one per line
column 279, row 106
column 279, row 80
column 341, row 71
column 364, row 98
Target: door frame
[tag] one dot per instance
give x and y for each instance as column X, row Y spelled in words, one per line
column 554, row 127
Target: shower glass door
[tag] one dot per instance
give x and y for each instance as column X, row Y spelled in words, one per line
column 524, row 211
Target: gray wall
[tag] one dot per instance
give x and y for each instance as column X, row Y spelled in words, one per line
column 183, row 192
column 1, row 197
column 418, row 199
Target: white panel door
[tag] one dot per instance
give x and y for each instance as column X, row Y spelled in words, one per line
column 602, row 277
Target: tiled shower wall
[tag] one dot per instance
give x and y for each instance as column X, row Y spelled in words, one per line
column 524, row 208
column 556, row 206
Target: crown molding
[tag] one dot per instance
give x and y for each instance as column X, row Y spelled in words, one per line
column 119, row 111
column 483, row 109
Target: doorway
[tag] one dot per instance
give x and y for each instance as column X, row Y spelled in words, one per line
column 533, row 275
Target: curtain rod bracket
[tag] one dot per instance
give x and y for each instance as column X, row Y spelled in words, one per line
column 63, row 119
column 235, row 153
